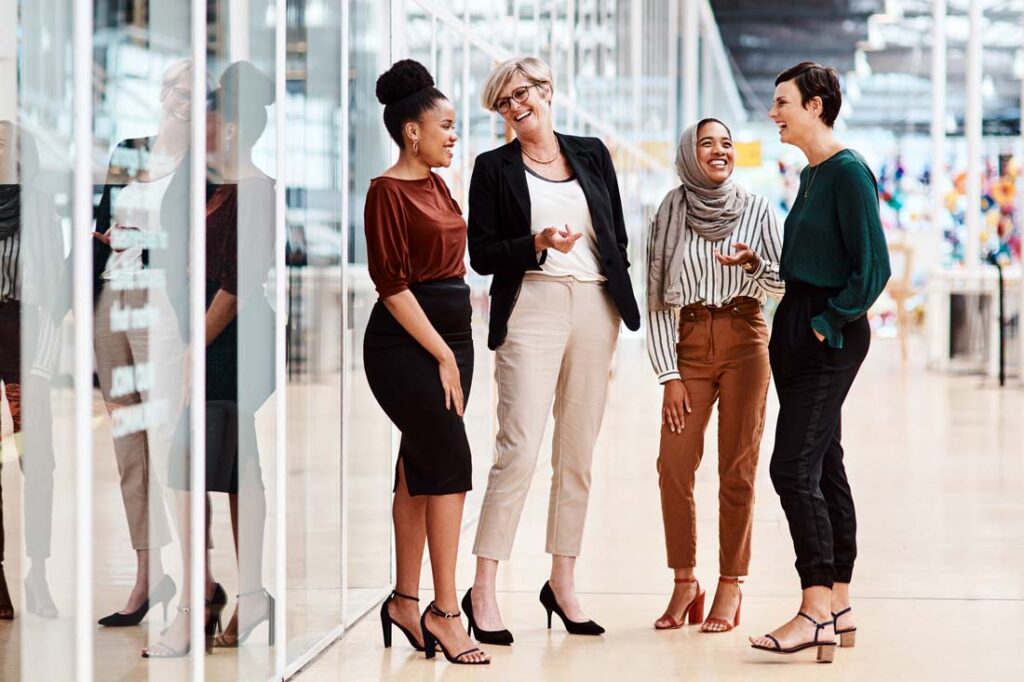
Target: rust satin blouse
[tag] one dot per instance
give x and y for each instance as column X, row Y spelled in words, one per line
column 414, row 233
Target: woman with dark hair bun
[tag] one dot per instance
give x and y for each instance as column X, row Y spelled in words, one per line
column 835, row 263
column 239, row 376
column 418, row 354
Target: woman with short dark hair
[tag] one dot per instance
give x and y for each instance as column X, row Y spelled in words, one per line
column 835, row 263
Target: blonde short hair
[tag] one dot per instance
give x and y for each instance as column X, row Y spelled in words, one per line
column 532, row 68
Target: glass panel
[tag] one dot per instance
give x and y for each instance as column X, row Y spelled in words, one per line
column 314, row 357
column 241, row 405
column 37, row 447
column 369, row 438
column 142, row 127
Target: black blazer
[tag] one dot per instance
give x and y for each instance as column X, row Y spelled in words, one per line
column 500, row 241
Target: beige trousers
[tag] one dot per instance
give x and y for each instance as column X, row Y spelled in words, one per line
column 138, row 330
column 561, row 338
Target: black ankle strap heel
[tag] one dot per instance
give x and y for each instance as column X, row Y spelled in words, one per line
column 386, row 622
column 431, row 641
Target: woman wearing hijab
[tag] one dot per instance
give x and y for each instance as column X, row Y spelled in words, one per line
column 31, row 267
column 708, row 343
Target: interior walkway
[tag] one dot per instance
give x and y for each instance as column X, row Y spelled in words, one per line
column 937, row 468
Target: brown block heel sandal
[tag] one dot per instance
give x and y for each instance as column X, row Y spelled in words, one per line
column 726, row 625
column 694, row 611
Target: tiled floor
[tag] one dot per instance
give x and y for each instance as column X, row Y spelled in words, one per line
column 937, row 467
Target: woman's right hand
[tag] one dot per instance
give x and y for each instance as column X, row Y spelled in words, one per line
column 675, row 406
column 553, row 238
column 451, row 382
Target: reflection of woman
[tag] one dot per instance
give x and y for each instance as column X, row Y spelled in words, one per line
column 139, row 263
column 31, row 261
column 239, row 376
column 708, row 343
column 835, row 263
column 418, row 354
column 546, row 220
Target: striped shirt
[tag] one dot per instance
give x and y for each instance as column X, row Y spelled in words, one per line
column 707, row 281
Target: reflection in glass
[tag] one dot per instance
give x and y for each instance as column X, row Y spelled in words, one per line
column 239, row 335
column 31, row 266
column 141, row 288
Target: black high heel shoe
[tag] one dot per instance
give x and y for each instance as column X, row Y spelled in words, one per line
column 163, row 593
column 431, row 642
column 547, row 598
column 6, row 605
column 222, row 641
column 498, row 637
column 386, row 622
column 215, row 606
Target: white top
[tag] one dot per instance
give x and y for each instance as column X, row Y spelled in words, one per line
column 136, row 225
column 557, row 203
column 707, row 281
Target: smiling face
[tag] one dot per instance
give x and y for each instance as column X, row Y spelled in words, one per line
column 531, row 117
column 715, row 152
column 435, row 132
column 794, row 120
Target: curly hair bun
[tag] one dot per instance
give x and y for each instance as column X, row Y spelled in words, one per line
column 401, row 80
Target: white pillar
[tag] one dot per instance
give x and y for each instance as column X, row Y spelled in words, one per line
column 673, row 71
column 972, row 131
column 570, row 64
column 82, row 50
column 691, row 84
column 9, row 60
column 938, row 178
column 636, row 45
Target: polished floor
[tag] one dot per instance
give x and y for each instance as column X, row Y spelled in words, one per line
column 937, row 467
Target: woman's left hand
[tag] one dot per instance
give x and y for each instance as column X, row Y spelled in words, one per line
column 818, row 335
column 742, row 257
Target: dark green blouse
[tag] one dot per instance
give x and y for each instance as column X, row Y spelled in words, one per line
column 834, row 239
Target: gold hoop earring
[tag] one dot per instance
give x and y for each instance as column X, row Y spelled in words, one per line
column 415, row 147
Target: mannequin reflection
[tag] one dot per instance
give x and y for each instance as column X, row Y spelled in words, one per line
column 31, row 263
column 145, row 199
column 239, row 378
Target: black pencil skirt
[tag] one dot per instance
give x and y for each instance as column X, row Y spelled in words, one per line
column 403, row 376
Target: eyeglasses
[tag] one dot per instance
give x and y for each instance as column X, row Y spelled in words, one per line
column 519, row 94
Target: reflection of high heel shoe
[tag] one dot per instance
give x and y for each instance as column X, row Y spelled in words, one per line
column 163, row 593
column 40, row 604
column 6, row 606
column 386, row 622
column 214, row 607
column 225, row 641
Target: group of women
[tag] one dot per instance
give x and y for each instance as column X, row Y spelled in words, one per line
column 546, row 221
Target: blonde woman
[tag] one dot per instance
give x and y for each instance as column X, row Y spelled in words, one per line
column 708, row 343
column 545, row 218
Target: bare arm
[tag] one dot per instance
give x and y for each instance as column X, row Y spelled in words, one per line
column 222, row 310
